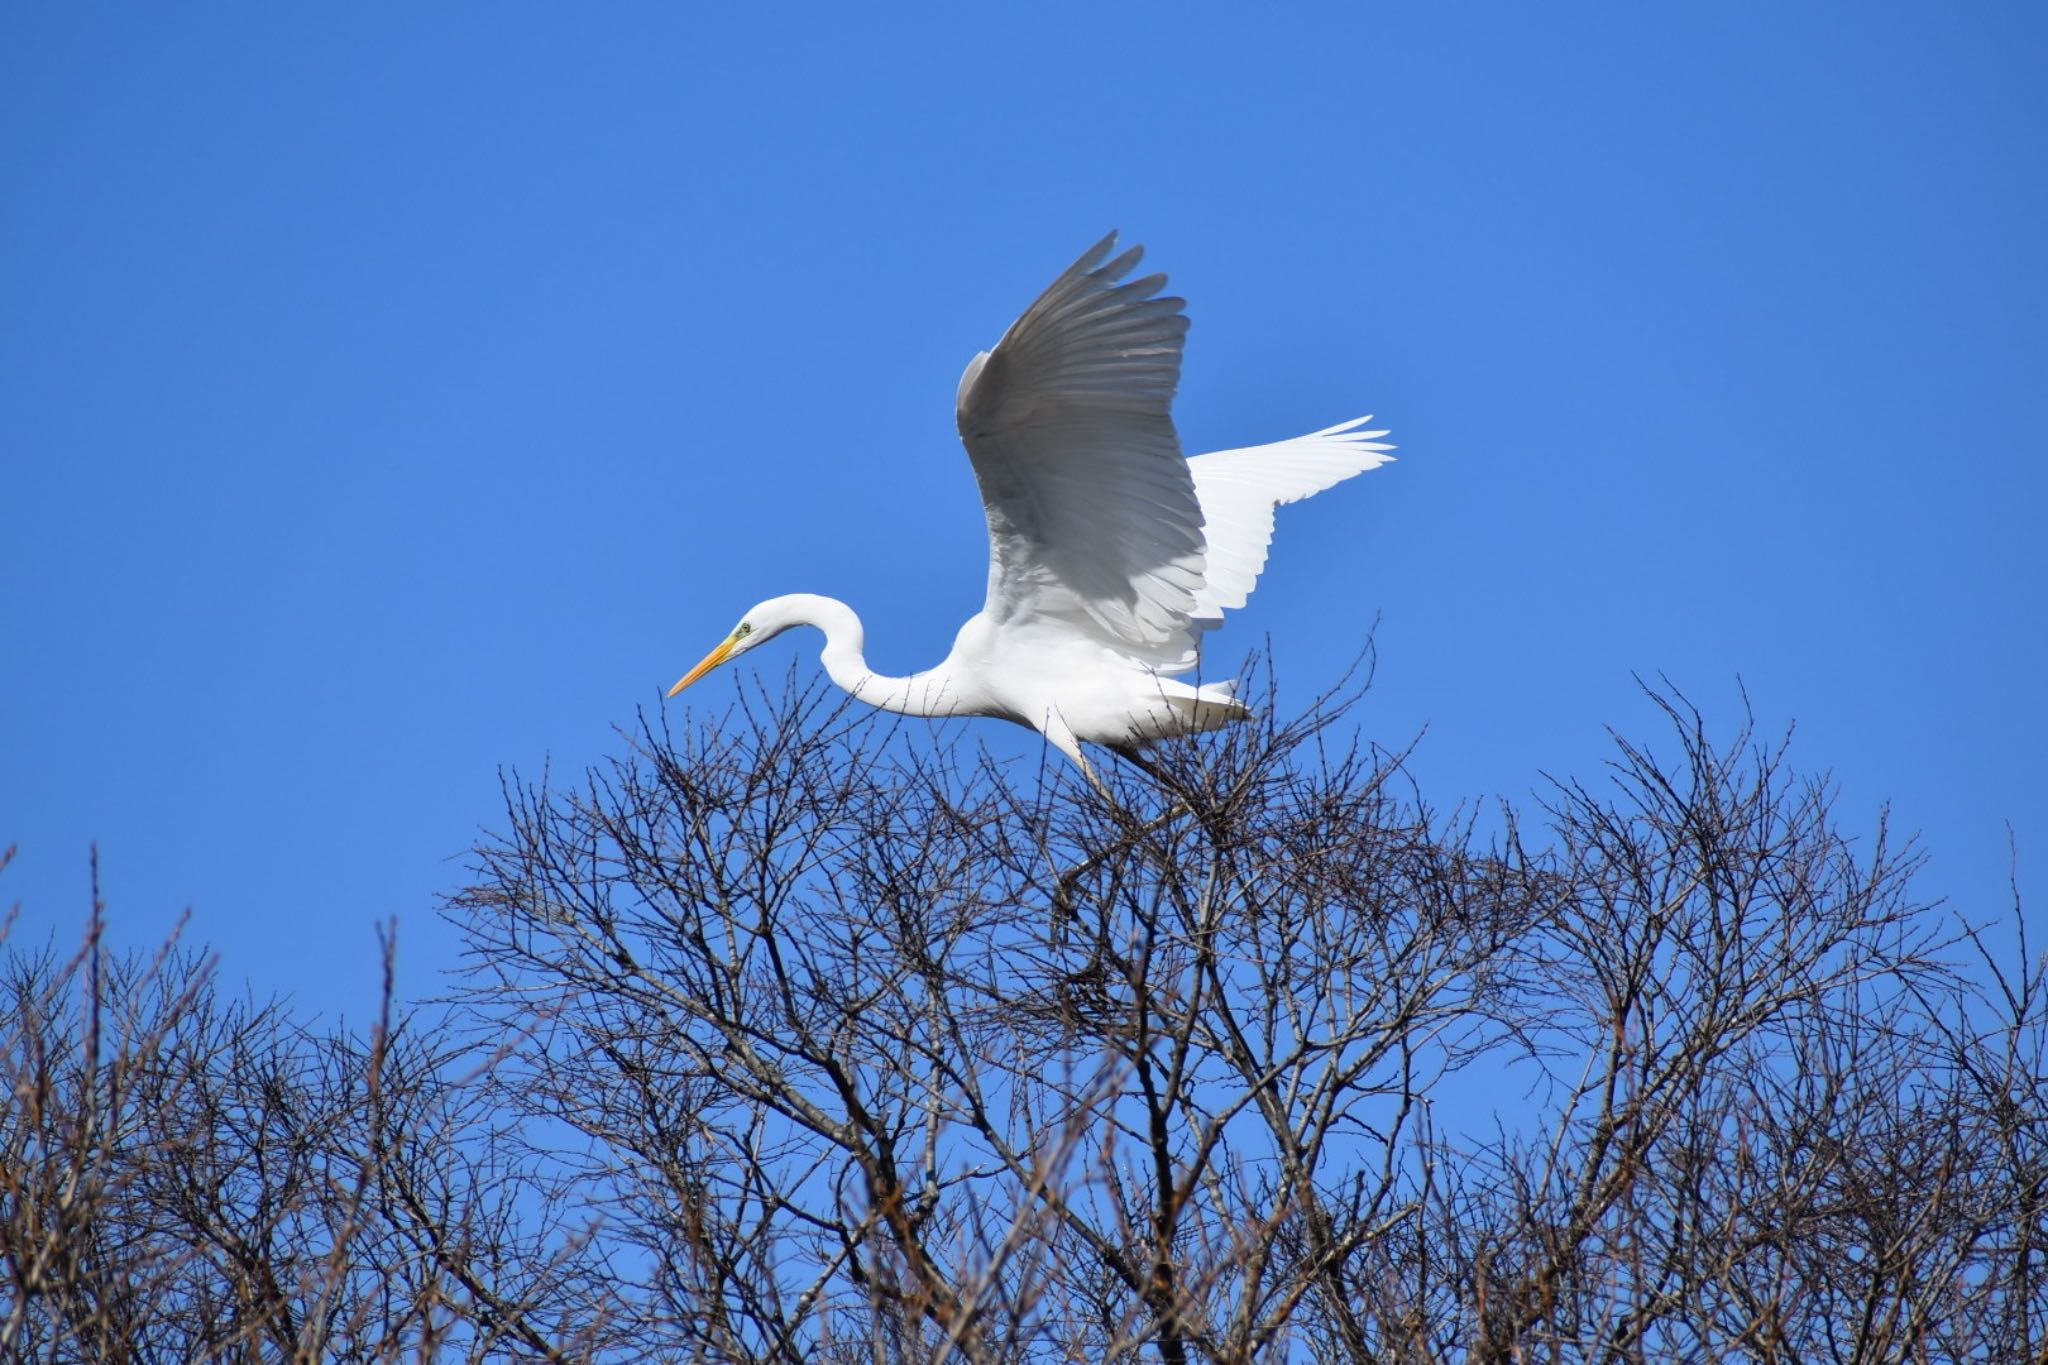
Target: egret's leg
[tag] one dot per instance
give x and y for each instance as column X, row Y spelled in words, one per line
column 1064, row 739
column 1133, row 755
column 1094, row 778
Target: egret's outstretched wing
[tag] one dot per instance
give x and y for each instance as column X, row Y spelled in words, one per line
column 1091, row 508
column 1239, row 489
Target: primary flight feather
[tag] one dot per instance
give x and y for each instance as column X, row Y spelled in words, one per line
column 1109, row 553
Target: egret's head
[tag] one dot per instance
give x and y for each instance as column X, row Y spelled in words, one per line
column 758, row 626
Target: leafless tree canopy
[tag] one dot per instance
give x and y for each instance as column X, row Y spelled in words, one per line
column 796, row 1039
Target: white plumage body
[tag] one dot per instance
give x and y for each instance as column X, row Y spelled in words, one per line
column 1110, row 553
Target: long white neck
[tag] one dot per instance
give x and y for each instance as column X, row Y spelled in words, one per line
column 921, row 694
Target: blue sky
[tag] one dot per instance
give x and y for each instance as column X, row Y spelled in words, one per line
column 392, row 394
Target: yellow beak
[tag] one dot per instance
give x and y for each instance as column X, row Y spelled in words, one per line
column 711, row 661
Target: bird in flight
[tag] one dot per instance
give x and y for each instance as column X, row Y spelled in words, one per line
column 1110, row 554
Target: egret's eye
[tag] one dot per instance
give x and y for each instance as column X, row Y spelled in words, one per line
column 742, row 631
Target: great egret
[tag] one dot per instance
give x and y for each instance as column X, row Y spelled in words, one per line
column 1109, row 553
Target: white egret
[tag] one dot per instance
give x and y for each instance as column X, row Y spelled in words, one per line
column 1109, row 553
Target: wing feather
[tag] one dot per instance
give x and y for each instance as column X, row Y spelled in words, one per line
column 1238, row 490
column 1092, row 513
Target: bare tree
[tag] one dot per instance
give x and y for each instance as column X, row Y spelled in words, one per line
column 796, row 1039
column 185, row 1177
column 883, row 1053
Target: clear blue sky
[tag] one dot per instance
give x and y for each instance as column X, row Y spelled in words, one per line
column 391, row 393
